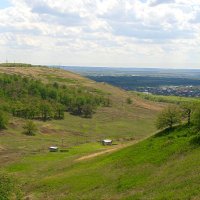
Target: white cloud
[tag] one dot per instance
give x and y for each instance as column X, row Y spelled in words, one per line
column 99, row 32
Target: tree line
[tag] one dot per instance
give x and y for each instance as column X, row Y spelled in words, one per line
column 32, row 99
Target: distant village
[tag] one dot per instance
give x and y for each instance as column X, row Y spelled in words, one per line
column 183, row 91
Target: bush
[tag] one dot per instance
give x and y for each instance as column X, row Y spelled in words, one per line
column 3, row 120
column 129, row 100
column 196, row 119
column 30, row 128
column 196, row 140
column 8, row 188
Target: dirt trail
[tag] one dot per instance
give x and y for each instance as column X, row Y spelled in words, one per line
column 112, row 149
column 1, row 148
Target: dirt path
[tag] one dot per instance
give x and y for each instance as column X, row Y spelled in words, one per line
column 112, row 149
column 1, row 148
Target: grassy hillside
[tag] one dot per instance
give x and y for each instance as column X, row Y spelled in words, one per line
column 120, row 121
column 124, row 123
column 165, row 166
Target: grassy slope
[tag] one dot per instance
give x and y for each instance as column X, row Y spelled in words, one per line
column 29, row 155
column 162, row 167
column 120, row 121
column 165, row 166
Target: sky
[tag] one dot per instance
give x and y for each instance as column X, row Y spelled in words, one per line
column 114, row 33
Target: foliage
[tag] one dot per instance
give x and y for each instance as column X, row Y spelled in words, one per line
column 3, row 120
column 30, row 128
column 129, row 100
column 196, row 140
column 8, row 189
column 187, row 110
column 32, row 99
column 168, row 117
column 196, row 118
column 15, row 65
column 133, row 82
column 168, row 99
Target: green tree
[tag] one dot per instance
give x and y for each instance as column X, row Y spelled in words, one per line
column 196, row 118
column 129, row 100
column 45, row 110
column 30, row 128
column 59, row 110
column 168, row 117
column 87, row 110
column 187, row 111
column 3, row 120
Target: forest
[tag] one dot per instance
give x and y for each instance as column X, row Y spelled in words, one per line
column 133, row 82
column 32, row 99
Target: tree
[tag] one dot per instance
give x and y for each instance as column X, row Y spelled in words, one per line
column 59, row 110
column 187, row 111
column 196, row 118
column 45, row 110
column 3, row 120
column 129, row 100
column 30, row 128
column 168, row 117
column 87, row 110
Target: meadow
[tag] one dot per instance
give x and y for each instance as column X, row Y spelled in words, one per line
column 164, row 166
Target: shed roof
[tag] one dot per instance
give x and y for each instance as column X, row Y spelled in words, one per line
column 53, row 147
column 107, row 140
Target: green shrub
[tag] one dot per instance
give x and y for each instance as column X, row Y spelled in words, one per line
column 8, row 188
column 30, row 128
column 3, row 120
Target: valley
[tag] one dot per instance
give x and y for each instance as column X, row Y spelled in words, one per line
column 142, row 163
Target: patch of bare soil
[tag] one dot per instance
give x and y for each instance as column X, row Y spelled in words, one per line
column 1, row 148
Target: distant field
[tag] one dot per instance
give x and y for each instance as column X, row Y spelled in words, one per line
column 166, row 99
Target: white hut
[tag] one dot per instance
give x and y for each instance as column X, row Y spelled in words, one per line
column 107, row 142
column 53, row 149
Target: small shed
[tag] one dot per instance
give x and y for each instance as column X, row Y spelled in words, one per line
column 53, row 149
column 106, row 142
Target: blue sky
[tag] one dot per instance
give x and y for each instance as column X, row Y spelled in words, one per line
column 4, row 4
column 128, row 33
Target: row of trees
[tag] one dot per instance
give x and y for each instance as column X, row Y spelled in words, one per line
column 32, row 99
column 175, row 114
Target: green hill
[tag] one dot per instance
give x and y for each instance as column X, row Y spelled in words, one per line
column 138, row 165
column 119, row 121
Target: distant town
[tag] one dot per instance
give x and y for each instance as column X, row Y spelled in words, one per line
column 168, row 82
column 183, row 91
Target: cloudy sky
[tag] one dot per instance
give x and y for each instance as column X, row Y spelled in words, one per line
column 127, row 33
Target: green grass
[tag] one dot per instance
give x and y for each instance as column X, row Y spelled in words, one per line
column 167, row 99
column 165, row 166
